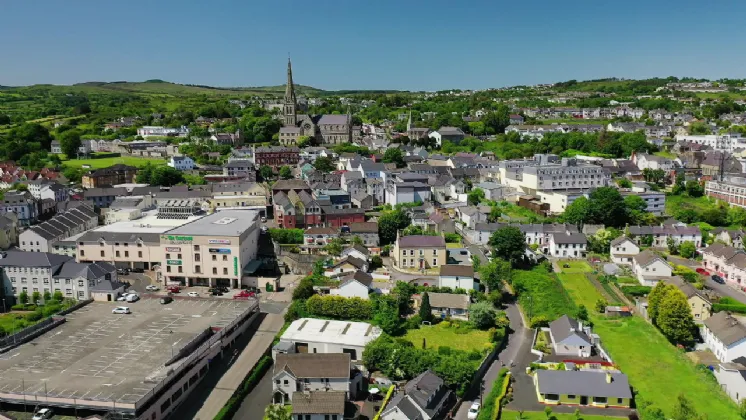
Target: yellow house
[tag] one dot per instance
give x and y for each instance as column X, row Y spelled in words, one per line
column 583, row 388
column 419, row 252
column 699, row 304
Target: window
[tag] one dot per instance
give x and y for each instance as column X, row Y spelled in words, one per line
column 225, row 271
column 196, row 257
column 214, row 257
column 126, row 253
column 168, row 268
column 168, row 256
column 178, row 256
column 285, row 382
column 82, row 253
column 103, row 254
column 81, row 283
column 214, row 270
column 411, row 252
column 197, row 269
column 225, row 258
column 435, row 262
column 196, row 247
column 620, row 400
column 117, row 253
column 180, row 270
column 570, row 397
column 139, row 254
column 277, row 381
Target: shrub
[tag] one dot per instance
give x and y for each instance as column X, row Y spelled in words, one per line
column 230, row 408
column 719, row 307
column 339, row 307
column 539, row 321
column 452, row 238
column 491, row 405
column 33, row 316
column 286, row 236
column 18, row 307
column 636, row 291
column 296, row 310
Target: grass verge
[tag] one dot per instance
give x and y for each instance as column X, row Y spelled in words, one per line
column 106, row 162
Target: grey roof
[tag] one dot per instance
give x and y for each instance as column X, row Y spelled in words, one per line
column 105, row 192
column 319, row 402
column 726, row 328
column 88, row 271
column 449, row 300
column 33, row 259
column 360, row 276
column 457, row 270
column 95, row 236
column 222, row 223
column 620, row 240
column 569, row 238
column 403, row 403
column 333, row 119
column 565, row 331
column 583, row 383
column 314, row 365
column 422, row 241
column 450, row 131
column 428, row 391
column 355, row 262
column 646, row 257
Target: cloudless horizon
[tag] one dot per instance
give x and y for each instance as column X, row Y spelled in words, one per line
column 387, row 44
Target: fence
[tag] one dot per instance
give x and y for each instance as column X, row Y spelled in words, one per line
column 75, row 307
column 27, row 334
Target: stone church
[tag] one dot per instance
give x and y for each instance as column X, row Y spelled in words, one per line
column 326, row 129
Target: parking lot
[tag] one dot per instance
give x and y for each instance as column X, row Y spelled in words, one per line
column 100, row 356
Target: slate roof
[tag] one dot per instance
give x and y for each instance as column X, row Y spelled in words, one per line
column 33, row 259
column 450, row 131
column 360, row 276
column 314, row 365
column 422, row 241
column 333, row 119
column 725, row 327
column 646, row 257
column 620, row 240
column 583, row 383
column 428, row 391
column 565, row 331
column 319, row 402
column 449, row 300
column 457, row 270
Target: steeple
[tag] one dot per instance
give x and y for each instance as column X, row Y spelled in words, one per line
column 409, row 121
column 291, row 118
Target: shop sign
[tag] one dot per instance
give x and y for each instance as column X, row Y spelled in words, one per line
column 173, row 249
column 219, row 241
column 176, row 240
column 173, row 262
column 219, row 250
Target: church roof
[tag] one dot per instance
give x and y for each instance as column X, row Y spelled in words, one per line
column 332, row 119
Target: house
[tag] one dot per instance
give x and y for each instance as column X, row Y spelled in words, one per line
column 318, row 405
column 357, row 251
column 470, row 216
column 578, row 387
column 457, row 277
column 357, row 284
column 570, row 338
column 107, row 177
column 419, row 252
column 730, row 237
column 649, row 268
column 310, row 335
column 65, row 224
column 727, row 262
column 367, row 232
column 319, row 236
column 8, row 230
column 567, row 244
column 732, row 378
column 516, row 119
column 452, row 134
column 725, row 336
column 699, row 304
column 425, row 397
column 447, row 305
column 347, row 265
column 56, row 147
column 307, row 372
column 22, row 204
column 182, row 163
column 492, row 190
column 623, row 249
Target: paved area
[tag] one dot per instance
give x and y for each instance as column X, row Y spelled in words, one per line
column 721, row 289
column 100, row 356
column 250, row 355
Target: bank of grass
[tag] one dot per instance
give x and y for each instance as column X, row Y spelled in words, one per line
column 457, row 336
column 677, row 203
column 540, row 294
column 13, row 322
column 106, row 162
column 643, row 354
column 540, row 415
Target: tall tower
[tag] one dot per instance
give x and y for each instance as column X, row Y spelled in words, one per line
column 291, row 118
column 409, row 122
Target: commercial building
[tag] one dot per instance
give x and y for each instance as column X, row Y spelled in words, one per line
column 310, row 335
column 276, row 156
column 546, row 173
column 733, row 194
column 22, row 204
column 217, row 249
column 725, row 142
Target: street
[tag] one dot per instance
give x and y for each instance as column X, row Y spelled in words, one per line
column 721, row 289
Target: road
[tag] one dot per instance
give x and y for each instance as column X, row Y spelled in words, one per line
column 721, row 289
column 517, row 350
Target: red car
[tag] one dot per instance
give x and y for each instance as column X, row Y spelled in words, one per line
column 174, row 289
column 244, row 294
column 702, row 271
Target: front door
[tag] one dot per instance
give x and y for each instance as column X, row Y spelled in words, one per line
column 583, row 400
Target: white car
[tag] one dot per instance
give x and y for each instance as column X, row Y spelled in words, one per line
column 473, row 411
column 132, row 297
column 43, row 414
column 121, row 310
column 193, row 294
column 152, row 288
column 123, row 297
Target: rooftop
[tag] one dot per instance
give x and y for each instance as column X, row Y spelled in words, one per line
column 584, row 383
column 328, row 331
column 223, row 223
column 422, row 241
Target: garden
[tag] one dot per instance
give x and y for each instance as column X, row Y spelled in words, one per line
column 110, row 161
column 27, row 314
column 541, row 415
column 455, row 335
column 541, row 295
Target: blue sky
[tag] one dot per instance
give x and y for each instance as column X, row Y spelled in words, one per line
column 375, row 44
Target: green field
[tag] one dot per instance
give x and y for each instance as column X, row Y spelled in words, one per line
column 106, row 162
column 676, row 203
column 656, row 369
column 541, row 294
column 440, row 336
column 539, row 415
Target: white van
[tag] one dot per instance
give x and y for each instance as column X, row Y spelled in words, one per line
column 132, row 297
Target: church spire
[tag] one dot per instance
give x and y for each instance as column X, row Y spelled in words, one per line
column 409, row 122
column 291, row 118
column 289, row 89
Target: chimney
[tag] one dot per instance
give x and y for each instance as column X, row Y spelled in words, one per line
column 608, row 377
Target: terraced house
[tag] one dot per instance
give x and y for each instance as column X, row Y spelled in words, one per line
column 727, row 262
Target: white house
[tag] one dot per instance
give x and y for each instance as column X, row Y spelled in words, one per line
column 453, row 134
column 356, row 251
column 457, row 277
column 727, row 262
column 357, row 285
column 311, row 335
column 182, row 163
column 568, row 244
column 446, row 305
column 306, row 372
column 623, row 250
column 570, row 337
column 725, row 336
column 732, row 379
column 425, row 397
column 650, row 268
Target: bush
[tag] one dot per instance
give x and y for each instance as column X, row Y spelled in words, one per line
column 296, row 310
column 452, row 238
column 33, row 316
column 339, row 307
column 720, row 307
column 539, row 321
column 286, row 236
column 636, row 291
column 491, row 405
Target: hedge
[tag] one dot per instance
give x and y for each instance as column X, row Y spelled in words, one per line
column 636, row 290
column 503, row 391
column 286, row 236
column 736, row 308
column 230, row 408
column 339, row 307
column 385, row 401
column 491, row 406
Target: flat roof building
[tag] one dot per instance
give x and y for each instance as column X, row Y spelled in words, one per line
column 311, row 335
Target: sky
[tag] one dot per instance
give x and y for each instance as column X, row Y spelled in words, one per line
column 374, row 44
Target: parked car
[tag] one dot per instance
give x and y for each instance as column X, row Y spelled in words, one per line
column 244, row 294
column 132, row 297
column 264, row 219
column 264, row 229
column 214, row 291
column 121, row 310
column 174, row 289
column 43, row 414
column 123, row 271
column 473, row 411
column 138, row 270
column 718, row 279
column 152, row 288
column 123, row 297
column 166, row 300
column 193, row 294
column 702, row 271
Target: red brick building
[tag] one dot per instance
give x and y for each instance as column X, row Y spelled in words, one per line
column 276, row 156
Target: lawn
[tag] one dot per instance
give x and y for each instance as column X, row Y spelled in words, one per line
column 442, row 335
column 627, row 280
column 676, row 203
column 665, row 154
column 642, row 353
column 541, row 294
column 106, row 162
column 575, row 266
column 539, row 415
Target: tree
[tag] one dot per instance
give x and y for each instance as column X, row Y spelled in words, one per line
column 166, row 176
column 47, row 296
column 694, row 189
column 36, row 297
column 376, row 262
column 324, row 164
column 426, row 311
column 58, row 296
column 547, row 411
column 687, row 249
column 672, row 245
column 23, row 297
column 32, row 133
column 70, row 142
column 496, row 122
column 577, row 212
column 684, row 410
column 494, row 215
column 600, row 306
column 582, row 313
column 607, row 207
column 509, row 243
column 4, row 119
column 675, row 318
column 286, row 172
column 624, row 183
column 276, row 412
column 356, row 240
column 334, row 247
column 303, row 141
column 635, row 203
column 654, row 300
column 266, row 172
column 304, row 289
column 394, row 155
column 483, row 314
column 390, row 223
column 494, row 273
column 386, row 315
column 475, row 196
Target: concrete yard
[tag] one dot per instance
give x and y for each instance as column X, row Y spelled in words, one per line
column 100, row 359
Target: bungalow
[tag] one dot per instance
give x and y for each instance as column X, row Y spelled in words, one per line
column 457, row 277
column 570, row 338
column 425, row 397
column 447, row 305
column 577, row 387
column 650, row 268
column 357, row 285
column 623, row 249
column 725, row 336
column 347, row 265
